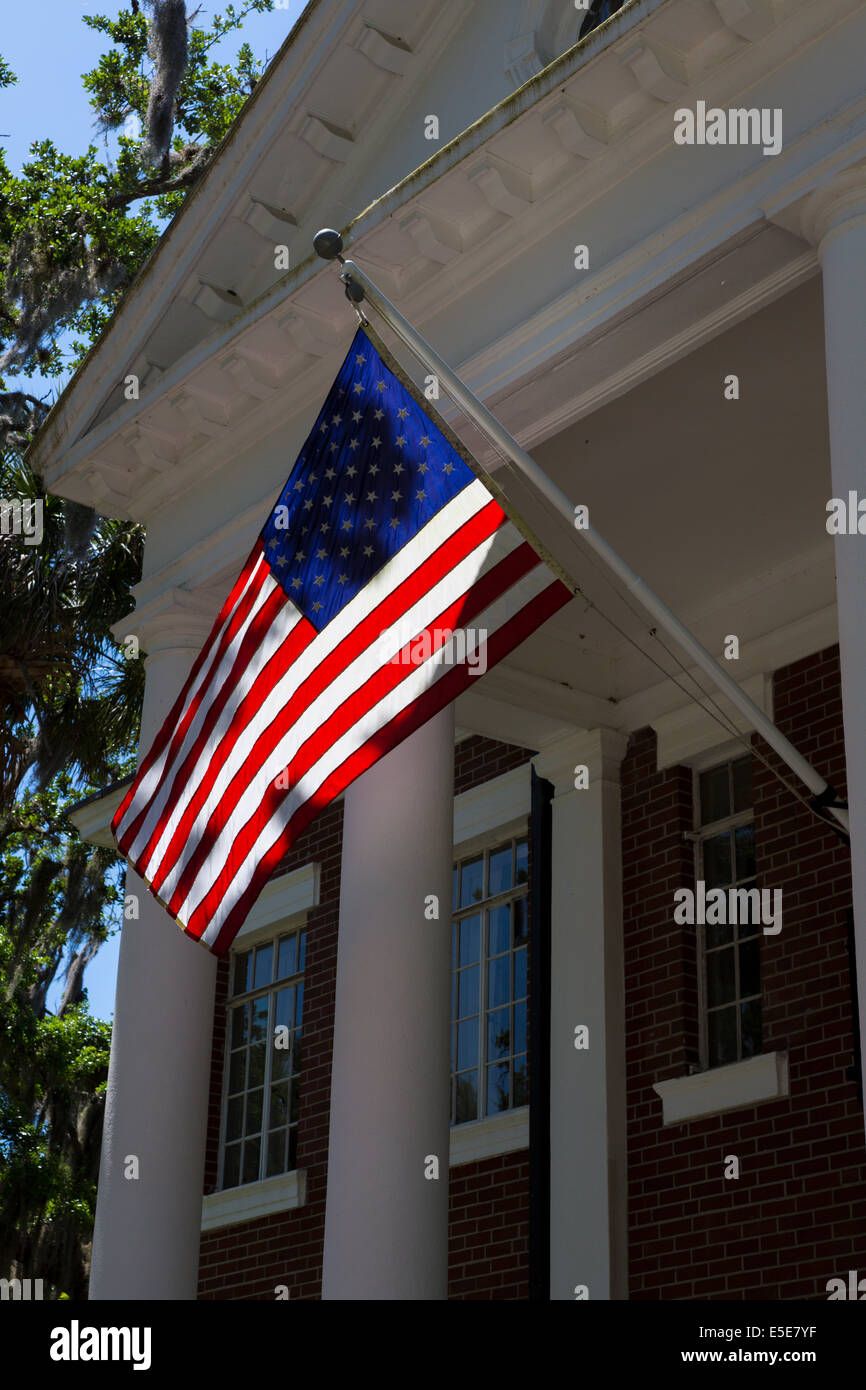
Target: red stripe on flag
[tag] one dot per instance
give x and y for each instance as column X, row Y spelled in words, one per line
column 252, row 640
column 175, row 711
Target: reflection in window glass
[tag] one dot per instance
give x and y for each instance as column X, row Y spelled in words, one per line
column 731, row 970
column 489, row 985
column 263, row 1066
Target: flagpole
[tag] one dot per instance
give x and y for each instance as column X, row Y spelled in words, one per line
column 329, row 245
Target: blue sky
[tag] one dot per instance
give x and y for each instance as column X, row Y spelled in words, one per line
column 48, row 48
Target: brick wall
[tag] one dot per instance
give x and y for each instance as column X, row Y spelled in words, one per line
column 796, row 1216
column 488, row 1215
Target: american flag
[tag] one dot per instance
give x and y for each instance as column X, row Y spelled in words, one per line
column 385, row 578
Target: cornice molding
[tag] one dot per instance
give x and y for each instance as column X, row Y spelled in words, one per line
column 837, row 206
column 601, row 751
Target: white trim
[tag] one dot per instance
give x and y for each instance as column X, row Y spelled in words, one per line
column 254, row 1200
column 282, row 898
column 493, row 806
column 93, row 820
column 724, row 1088
column 498, row 1134
column 690, row 732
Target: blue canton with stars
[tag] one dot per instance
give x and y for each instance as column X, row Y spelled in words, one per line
column 373, row 471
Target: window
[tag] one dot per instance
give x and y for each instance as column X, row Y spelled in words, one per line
column 264, row 1057
column 489, row 945
column 730, row 973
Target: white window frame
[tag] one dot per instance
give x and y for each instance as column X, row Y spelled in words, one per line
column 482, row 908
column 484, row 816
column 283, row 906
column 291, row 927
column 703, row 833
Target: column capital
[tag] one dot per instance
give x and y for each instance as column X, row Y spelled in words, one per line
column 175, row 618
column 837, row 206
column 600, row 750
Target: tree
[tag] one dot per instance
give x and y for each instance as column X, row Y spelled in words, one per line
column 70, row 700
column 69, row 238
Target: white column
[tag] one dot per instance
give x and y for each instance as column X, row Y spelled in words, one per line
column 146, row 1237
column 588, row 1234
column 386, row 1223
column 835, row 220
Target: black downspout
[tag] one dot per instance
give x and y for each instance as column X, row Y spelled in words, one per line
column 541, row 845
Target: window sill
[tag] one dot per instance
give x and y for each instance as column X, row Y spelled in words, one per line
column 254, row 1200
column 499, row 1134
column 724, row 1088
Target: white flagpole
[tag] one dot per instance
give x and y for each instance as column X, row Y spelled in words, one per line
column 329, row 245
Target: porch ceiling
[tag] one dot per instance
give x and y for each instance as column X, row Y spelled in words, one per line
column 719, row 505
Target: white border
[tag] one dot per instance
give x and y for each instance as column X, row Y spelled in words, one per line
column 724, row 1088
column 497, row 1134
column 254, row 1200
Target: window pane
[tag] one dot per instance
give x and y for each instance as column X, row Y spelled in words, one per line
column 519, row 1043
column 243, row 972
column 520, row 921
column 750, row 1026
column 454, row 883
column 264, row 965
column 281, row 1062
column 722, row 1031
column 467, row 992
column 744, row 840
column 279, row 1106
column 254, row 1112
column 470, row 939
column 293, row 1148
column 260, row 1019
column 742, row 770
column 497, row 1088
column 252, row 1151
column 453, row 946
column 720, row 977
column 302, row 951
column 276, row 1153
column 717, row 860
column 498, row 1034
column 299, row 1003
column 718, row 935
column 498, row 981
column 520, row 974
column 283, row 1007
column 232, row 1166
column 295, row 1093
column 500, row 929
column 750, row 968
column 466, row 1107
column 239, row 1025
column 467, row 1044
column 257, row 1064
column 715, row 797
column 521, row 862
column 521, row 1082
column 500, row 870
column 235, row 1117
column 237, row 1069
column 287, row 959
column 471, row 882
